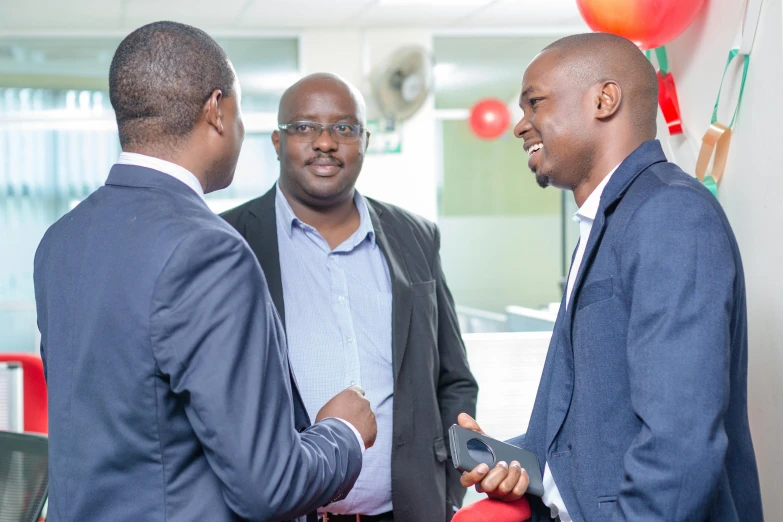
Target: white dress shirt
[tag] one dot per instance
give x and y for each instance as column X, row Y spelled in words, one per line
column 188, row 178
column 585, row 216
column 172, row 169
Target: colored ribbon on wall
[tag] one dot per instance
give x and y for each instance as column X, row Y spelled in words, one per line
column 717, row 140
column 667, row 92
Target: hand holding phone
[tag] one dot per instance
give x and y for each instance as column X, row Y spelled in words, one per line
column 470, row 448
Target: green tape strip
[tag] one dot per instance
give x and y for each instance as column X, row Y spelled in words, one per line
column 709, row 182
column 732, row 54
column 660, row 55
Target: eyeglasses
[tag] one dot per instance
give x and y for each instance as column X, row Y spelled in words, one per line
column 309, row 131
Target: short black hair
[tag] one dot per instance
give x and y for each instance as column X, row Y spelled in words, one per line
column 160, row 77
column 599, row 57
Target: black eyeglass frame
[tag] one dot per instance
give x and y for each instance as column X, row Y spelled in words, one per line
column 318, row 128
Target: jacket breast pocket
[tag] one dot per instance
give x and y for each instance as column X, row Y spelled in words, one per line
column 425, row 312
column 595, row 291
column 606, row 507
column 424, row 288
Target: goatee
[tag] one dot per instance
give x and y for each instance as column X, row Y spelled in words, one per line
column 542, row 180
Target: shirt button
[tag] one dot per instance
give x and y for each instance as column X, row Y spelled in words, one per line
column 353, row 383
column 350, row 340
column 341, row 299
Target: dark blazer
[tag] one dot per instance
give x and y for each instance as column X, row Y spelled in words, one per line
column 432, row 381
column 166, row 366
column 642, row 407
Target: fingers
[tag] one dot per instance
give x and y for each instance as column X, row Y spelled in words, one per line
column 468, row 422
column 490, row 483
column 375, row 432
column 520, row 488
column 505, row 482
column 515, row 484
column 474, row 476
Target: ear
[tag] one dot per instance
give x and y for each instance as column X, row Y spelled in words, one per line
column 609, row 98
column 367, row 141
column 276, row 143
column 213, row 110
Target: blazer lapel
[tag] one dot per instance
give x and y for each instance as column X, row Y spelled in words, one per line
column 261, row 235
column 647, row 154
column 563, row 368
column 402, row 295
column 262, row 238
column 560, row 375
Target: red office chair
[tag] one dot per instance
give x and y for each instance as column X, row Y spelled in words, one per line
column 36, row 416
column 488, row 510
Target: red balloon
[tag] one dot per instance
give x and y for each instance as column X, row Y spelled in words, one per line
column 489, row 118
column 647, row 23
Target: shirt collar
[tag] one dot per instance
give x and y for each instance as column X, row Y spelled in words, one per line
column 589, row 208
column 286, row 213
column 172, row 169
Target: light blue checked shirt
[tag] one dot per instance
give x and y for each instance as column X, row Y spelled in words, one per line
column 338, row 314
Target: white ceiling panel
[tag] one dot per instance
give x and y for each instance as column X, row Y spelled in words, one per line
column 48, row 15
column 118, row 16
column 288, row 14
column 206, row 15
column 413, row 16
column 527, row 13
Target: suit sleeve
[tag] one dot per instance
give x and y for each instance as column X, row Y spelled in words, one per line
column 216, row 337
column 457, row 389
column 678, row 274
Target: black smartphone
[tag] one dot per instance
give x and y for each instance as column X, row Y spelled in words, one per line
column 469, row 449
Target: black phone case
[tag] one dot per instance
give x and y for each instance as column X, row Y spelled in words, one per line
column 460, row 457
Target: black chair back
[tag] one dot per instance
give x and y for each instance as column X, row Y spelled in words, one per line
column 24, row 476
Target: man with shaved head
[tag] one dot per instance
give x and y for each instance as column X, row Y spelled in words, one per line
column 641, row 412
column 359, row 286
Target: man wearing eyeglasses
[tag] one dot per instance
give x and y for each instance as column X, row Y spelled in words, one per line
column 359, row 287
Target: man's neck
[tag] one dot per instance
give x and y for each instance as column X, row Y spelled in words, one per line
column 174, row 155
column 603, row 163
column 335, row 223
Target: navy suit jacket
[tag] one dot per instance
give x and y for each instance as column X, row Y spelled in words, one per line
column 641, row 412
column 167, row 371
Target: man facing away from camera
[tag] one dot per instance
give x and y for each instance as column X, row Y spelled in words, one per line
column 166, row 363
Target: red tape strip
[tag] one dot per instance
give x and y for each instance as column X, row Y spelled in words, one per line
column 670, row 106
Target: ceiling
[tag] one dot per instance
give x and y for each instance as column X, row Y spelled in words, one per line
column 481, row 46
column 120, row 16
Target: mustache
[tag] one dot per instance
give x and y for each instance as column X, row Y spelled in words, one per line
column 324, row 159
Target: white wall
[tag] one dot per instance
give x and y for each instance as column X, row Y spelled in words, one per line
column 495, row 261
column 751, row 194
column 508, row 369
column 408, row 179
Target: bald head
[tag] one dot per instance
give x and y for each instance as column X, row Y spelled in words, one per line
column 315, row 84
column 323, row 141
column 593, row 58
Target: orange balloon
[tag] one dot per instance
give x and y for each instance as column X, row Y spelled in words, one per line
column 647, row 23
